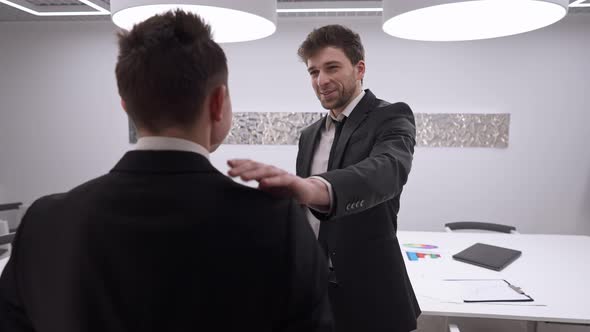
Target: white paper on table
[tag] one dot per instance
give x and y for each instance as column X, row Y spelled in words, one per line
column 486, row 290
column 434, row 289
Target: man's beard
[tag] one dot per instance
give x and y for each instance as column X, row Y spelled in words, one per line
column 340, row 102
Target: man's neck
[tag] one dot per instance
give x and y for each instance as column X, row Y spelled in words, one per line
column 336, row 112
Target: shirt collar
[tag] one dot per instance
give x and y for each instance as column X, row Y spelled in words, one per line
column 346, row 112
column 170, row 143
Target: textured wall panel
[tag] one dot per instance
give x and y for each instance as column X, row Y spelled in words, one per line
column 462, row 130
column 269, row 128
column 432, row 130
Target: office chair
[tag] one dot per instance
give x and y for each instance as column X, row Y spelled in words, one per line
column 453, row 328
column 11, row 213
column 5, row 239
column 8, row 212
column 484, row 226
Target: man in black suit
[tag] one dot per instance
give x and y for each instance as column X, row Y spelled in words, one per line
column 164, row 242
column 359, row 157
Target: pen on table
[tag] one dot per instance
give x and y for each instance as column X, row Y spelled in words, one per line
column 516, row 289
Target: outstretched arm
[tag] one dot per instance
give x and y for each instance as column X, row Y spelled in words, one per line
column 306, row 191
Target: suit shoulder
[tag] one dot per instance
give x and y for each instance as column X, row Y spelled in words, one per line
column 254, row 198
column 50, row 199
column 385, row 111
column 396, row 116
column 46, row 203
column 398, row 107
column 57, row 199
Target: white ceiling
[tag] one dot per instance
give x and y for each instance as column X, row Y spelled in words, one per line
column 8, row 13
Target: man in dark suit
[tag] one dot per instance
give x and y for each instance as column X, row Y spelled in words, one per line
column 164, row 242
column 351, row 168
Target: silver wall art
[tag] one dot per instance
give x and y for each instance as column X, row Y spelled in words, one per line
column 432, row 129
column 462, row 130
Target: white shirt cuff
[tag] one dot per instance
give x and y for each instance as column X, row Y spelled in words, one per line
column 330, row 194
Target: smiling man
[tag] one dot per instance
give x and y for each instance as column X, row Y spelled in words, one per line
column 351, row 168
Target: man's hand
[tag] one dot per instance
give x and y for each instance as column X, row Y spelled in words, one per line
column 279, row 182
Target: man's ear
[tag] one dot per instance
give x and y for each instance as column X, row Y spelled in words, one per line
column 360, row 69
column 216, row 102
column 123, row 105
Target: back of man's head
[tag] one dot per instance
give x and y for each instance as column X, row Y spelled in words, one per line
column 166, row 67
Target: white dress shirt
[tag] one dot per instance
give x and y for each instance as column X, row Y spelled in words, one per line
column 319, row 161
column 170, row 143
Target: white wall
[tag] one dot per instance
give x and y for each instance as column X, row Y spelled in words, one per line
column 61, row 124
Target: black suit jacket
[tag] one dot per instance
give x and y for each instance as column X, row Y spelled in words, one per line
column 164, row 242
column 370, row 166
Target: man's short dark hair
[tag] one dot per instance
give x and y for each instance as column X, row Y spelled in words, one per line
column 335, row 36
column 166, row 67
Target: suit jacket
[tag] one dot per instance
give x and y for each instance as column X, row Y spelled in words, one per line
column 370, row 166
column 164, row 242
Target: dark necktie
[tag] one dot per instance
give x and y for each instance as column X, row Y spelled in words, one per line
column 339, row 125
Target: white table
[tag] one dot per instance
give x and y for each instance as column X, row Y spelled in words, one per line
column 553, row 269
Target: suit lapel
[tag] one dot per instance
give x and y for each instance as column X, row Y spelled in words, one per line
column 308, row 145
column 358, row 115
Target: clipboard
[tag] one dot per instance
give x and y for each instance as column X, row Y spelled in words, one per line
column 489, row 290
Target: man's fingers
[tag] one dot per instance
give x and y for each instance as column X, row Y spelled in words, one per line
column 236, row 162
column 261, row 172
column 240, row 166
column 248, row 169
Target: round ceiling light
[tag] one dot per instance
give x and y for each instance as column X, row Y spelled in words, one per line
column 231, row 21
column 444, row 20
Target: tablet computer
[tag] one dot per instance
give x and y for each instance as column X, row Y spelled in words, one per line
column 488, row 256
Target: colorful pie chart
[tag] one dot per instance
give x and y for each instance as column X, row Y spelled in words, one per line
column 420, row 246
